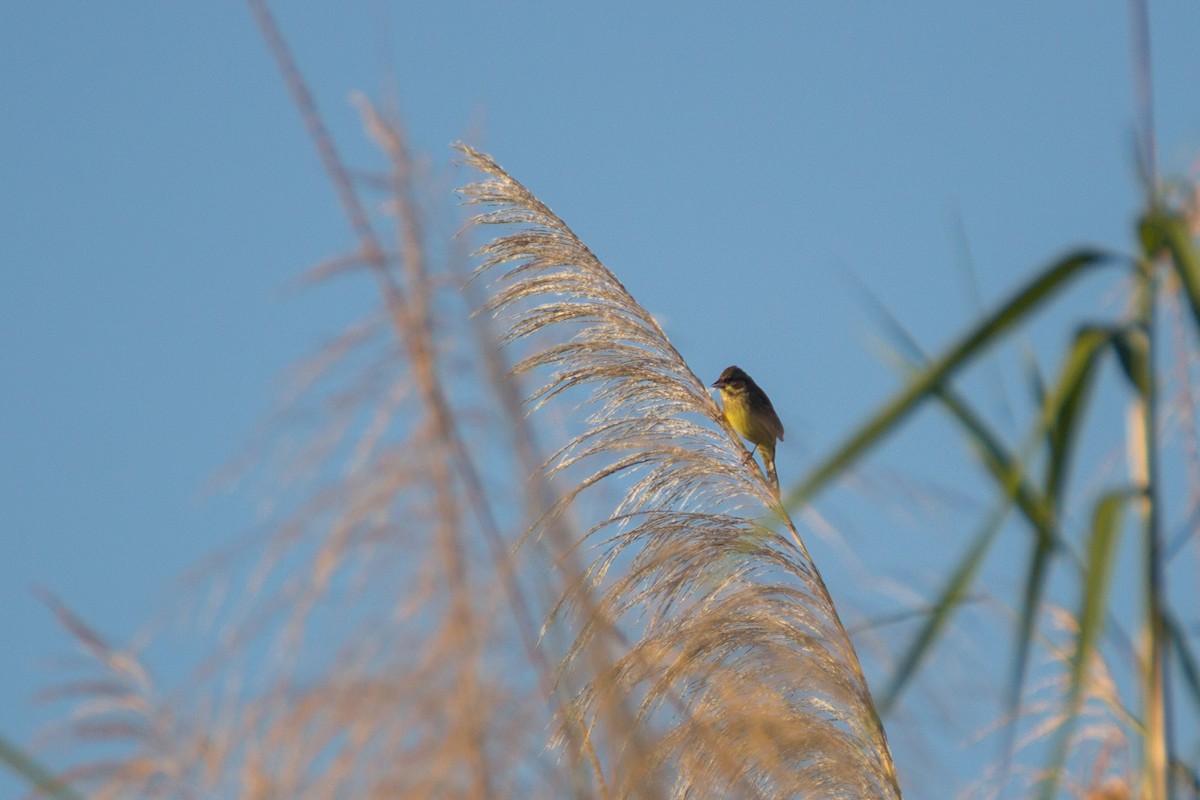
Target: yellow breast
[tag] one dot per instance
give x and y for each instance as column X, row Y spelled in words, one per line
column 744, row 421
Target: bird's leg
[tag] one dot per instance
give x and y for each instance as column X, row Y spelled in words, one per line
column 750, row 457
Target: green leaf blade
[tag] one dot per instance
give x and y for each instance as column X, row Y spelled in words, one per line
column 987, row 333
column 1101, row 554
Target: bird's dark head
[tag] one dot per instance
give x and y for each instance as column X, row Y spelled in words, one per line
column 732, row 378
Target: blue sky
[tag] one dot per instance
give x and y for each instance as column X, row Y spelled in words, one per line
column 743, row 168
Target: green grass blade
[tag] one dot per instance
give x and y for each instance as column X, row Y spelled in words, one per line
column 1037, row 384
column 1063, row 411
column 1004, row 468
column 1031, row 597
column 37, row 775
column 951, row 596
column 1007, row 470
column 1067, row 403
column 1171, row 231
column 1101, row 553
column 1009, row 474
column 1133, row 351
column 985, row 334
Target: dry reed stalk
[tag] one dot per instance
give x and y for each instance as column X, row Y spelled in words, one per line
column 366, row 653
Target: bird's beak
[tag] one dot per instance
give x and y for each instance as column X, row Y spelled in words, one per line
column 718, row 383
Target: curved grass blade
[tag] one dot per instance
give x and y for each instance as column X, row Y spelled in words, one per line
column 949, row 599
column 1133, row 352
column 1063, row 411
column 1170, row 231
column 1101, row 553
column 1004, row 468
column 1010, row 474
column 988, row 332
column 1067, row 403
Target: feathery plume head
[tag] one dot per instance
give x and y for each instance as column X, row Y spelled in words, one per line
column 724, row 648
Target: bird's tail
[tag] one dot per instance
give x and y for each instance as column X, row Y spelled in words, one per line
column 769, row 463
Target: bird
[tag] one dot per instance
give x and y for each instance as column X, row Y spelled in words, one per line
column 748, row 409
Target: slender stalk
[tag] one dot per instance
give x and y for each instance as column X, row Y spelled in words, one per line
column 1139, row 19
column 1144, row 463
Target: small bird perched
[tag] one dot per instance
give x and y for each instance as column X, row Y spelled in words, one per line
column 749, row 411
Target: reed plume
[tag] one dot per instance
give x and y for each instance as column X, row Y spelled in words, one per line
column 744, row 679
